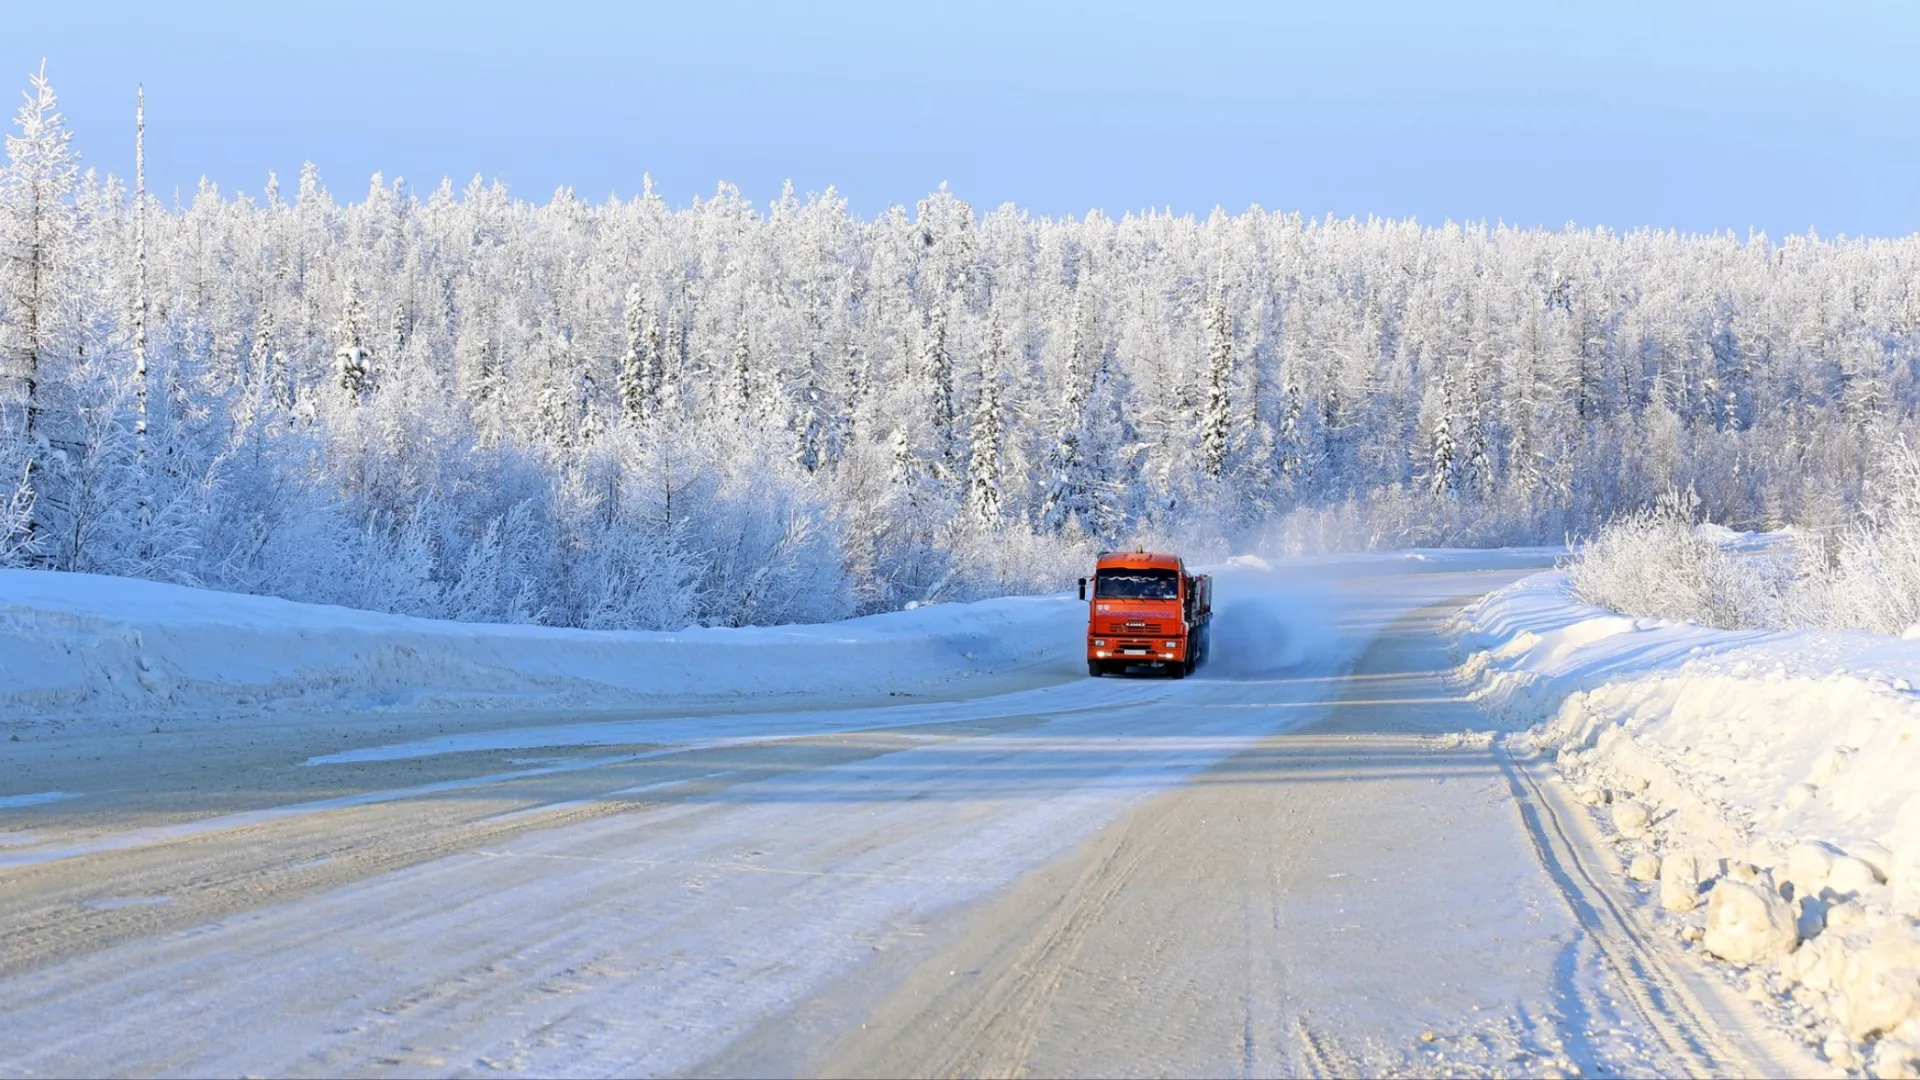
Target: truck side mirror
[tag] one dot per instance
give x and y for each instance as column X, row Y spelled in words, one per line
column 1083, row 588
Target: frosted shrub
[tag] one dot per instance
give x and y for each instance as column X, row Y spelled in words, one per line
column 499, row 577
column 1017, row 561
column 1866, row 576
column 16, row 504
column 397, row 573
column 771, row 555
column 1871, row 579
column 1656, row 563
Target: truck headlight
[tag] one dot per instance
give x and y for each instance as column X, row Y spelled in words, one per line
column 1099, row 643
column 1173, row 645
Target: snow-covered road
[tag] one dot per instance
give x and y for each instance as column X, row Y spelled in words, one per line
column 1292, row 863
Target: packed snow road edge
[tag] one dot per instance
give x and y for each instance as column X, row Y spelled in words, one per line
column 1762, row 790
column 74, row 646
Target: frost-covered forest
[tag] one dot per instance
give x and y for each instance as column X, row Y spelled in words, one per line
column 452, row 402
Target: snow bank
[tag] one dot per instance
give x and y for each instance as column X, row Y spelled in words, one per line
column 1778, row 773
column 78, row 645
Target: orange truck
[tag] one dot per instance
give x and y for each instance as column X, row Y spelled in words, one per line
column 1147, row 611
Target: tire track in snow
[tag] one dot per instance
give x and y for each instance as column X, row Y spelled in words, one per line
column 1642, row 978
column 1322, row 1056
column 992, row 1031
column 1034, row 984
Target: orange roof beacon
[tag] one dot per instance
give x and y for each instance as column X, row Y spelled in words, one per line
column 1147, row 612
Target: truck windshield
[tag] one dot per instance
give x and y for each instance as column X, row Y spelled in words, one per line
column 1137, row 585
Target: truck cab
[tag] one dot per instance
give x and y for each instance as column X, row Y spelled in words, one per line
column 1146, row 611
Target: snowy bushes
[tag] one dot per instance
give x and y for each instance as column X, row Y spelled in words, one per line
column 643, row 534
column 1864, row 576
column 1869, row 576
column 1657, row 563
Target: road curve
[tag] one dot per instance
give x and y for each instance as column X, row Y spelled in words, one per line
column 1292, row 864
column 1366, row 894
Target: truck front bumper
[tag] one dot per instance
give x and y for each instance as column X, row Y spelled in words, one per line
column 1137, row 650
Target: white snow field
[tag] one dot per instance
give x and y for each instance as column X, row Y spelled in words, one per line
column 915, row 844
column 1765, row 785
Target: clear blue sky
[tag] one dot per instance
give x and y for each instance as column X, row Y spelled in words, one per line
column 1690, row 115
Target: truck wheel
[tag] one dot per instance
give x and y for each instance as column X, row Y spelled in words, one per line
column 1178, row 671
column 1096, row 669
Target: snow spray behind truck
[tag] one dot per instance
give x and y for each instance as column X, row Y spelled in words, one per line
column 1147, row 611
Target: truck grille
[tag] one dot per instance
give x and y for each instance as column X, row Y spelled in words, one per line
column 1135, row 627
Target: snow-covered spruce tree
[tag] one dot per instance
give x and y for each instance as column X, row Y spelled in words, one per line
column 38, row 242
column 1068, row 492
column 1479, row 467
column 587, row 407
column 353, row 368
column 1296, row 461
column 1217, row 422
column 670, row 359
column 936, row 366
column 1442, row 450
column 983, row 461
column 741, row 382
column 809, row 419
column 636, row 362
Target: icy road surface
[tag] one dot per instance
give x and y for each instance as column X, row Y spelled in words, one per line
column 1292, row 863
